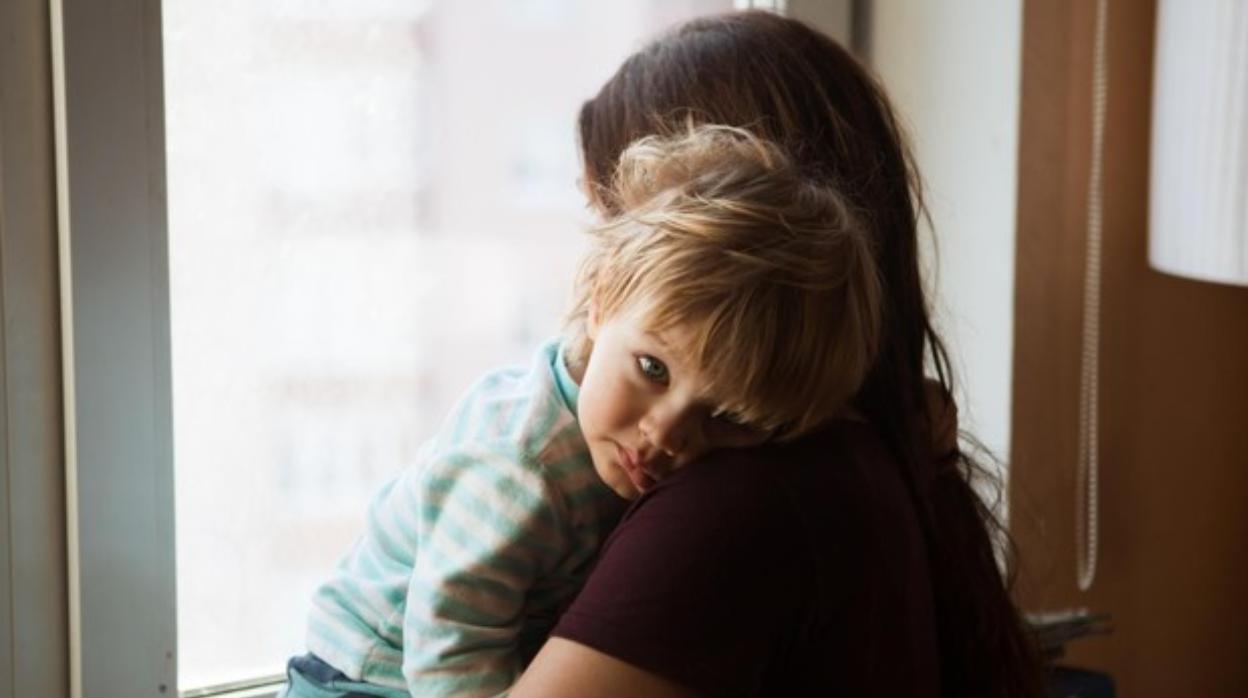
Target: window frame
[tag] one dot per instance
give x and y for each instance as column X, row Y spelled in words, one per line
column 109, row 114
column 33, row 609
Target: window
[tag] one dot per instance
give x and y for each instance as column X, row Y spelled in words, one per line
column 370, row 202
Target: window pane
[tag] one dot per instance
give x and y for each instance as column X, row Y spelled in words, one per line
column 371, row 202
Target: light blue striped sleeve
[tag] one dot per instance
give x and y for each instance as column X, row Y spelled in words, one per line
column 485, row 530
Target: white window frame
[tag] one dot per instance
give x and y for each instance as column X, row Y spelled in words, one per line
column 109, row 108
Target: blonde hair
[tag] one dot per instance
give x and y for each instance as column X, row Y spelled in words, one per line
column 770, row 271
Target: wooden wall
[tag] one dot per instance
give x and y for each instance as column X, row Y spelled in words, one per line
column 1174, row 383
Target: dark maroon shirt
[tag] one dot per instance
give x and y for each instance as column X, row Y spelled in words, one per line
column 783, row 570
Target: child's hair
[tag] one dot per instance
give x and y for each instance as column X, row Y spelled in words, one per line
column 795, row 87
column 769, row 272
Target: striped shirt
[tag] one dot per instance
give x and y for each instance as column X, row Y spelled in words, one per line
column 469, row 555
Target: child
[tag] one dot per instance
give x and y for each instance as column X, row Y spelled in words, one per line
column 732, row 301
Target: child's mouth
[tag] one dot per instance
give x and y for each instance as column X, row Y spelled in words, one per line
column 640, row 479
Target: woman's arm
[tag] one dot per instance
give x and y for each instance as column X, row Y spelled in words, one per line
column 569, row 669
column 691, row 594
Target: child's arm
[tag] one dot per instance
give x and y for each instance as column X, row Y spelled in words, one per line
column 485, row 533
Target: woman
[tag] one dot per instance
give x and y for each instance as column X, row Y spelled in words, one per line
column 858, row 561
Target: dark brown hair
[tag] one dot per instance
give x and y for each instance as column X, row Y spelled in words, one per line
column 791, row 85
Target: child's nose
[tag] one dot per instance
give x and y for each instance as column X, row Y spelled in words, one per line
column 667, row 430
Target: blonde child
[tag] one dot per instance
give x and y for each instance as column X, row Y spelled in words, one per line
column 732, row 301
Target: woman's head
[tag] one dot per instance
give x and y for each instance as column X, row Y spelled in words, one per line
column 791, row 85
column 755, row 70
column 764, row 277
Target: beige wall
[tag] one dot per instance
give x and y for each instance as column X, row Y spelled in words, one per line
column 1174, row 384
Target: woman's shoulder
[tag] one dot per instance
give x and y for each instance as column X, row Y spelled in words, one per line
column 830, row 501
column 796, row 546
column 832, row 510
column 837, row 463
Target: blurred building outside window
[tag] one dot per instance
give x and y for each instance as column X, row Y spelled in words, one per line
column 371, row 202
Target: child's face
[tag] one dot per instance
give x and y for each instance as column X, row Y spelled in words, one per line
column 643, row 406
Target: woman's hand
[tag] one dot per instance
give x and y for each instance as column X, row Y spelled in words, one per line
column 566, row 669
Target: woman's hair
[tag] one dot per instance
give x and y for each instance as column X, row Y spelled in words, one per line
column 766, row 271
column 793, row 86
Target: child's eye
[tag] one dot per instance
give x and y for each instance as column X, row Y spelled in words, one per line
column 652, row 368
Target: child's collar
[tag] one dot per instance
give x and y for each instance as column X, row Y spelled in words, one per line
column 566, row 385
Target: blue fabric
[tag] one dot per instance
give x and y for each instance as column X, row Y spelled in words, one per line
column 309, row 677
column 1070, row 682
